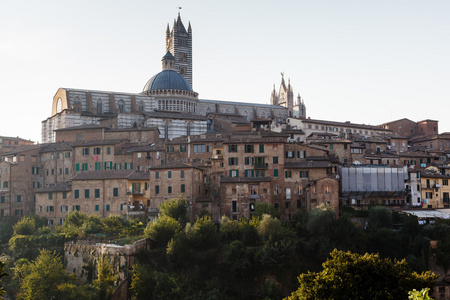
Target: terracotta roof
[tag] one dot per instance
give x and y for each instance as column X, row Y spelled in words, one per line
column 345, row 124
column 244, row 179
column 173, row 165
column 175, row 115
column 83, row 127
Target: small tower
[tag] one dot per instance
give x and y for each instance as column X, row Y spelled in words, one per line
column 179, row 44
column 285, row 98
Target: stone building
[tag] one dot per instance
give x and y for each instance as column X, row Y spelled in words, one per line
column 19, row 176
column 175, row 180
column 435, row 189
column 167, row 100
column 8, row 143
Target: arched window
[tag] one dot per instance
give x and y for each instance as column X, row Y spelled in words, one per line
column 121, row 106
column 99, row 106
column 59, row 105
column 141, row 106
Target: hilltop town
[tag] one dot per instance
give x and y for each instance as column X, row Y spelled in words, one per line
column 108, row 153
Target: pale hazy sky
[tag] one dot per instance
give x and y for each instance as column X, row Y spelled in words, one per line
column 362, row 61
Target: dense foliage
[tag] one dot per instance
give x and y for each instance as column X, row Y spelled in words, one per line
column 260, row 258
column 353, row 276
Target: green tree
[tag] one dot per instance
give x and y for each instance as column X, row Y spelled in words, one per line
column 203, row 234
column 320, row 220
column 25, row 226
column 43, row 277
column 353, row 276
column 162, row 230
column 106, row 279
column 262, row 208
column 175, row 208
column 419, row 295
column 112, row 224
column 272, row 230
column 2, row 274
column 379, row 217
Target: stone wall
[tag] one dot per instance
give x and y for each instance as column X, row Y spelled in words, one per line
column 82, row 256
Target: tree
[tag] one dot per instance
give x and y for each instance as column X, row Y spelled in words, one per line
column 43, row 277
column 353, row 276
column 2, row 274
column 272, row 230
column 175, row 208
column 262, row 208
column 162, row 230
column 379, row 217
column 320, row 220
column 106, row 278
column 112, row 224
column 25, row 226
column 203, row 234
column 419, row 295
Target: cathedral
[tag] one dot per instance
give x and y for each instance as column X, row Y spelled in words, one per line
column 167, row 101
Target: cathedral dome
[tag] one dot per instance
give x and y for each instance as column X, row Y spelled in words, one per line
column 167, row 80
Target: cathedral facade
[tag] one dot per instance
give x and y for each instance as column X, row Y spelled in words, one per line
column 167, row 100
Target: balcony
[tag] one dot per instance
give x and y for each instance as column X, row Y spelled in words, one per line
column 261, row 165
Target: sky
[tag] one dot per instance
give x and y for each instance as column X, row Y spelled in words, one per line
column 368, row 62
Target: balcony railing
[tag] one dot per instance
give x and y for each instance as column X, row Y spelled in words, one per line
column 261, row 165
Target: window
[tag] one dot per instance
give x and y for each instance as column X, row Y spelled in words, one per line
column 169, row 190
column 288, row 174
column 288, row 193
column 75, row 208
column 289, row 154
column 84, row 167
column 66, row 171
column 275, row 160
column 76, row 194
column 85, row 151
column 234, row 206
column 67, row 154
column 249, row 161
column 429, row 195
column 50, row 196
column 232, row 161
column 115, row 192
column 261, row 148
column 232, row 148
column 98, row 166
column 77, row 167
column 248, row 148
column 331, row 146
column 97, row 207
column 304, row 174
column 64, row 195
column 156, row 175
column 107, row 207
column 275, row 172
column 97, row 151
column 97, row 193
column 183, row 188
column 128, row 166
column 169, row 174
column 64, row 208
column 234, row 173
column 86, row 193
column 327, row 189
column 182, row 148
column 156, row 189
column 2, row 199
column 276, row 190
column 170, row 149
column 199, row 148
column 50, row 208
column 35, row 170
column 444, row 181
